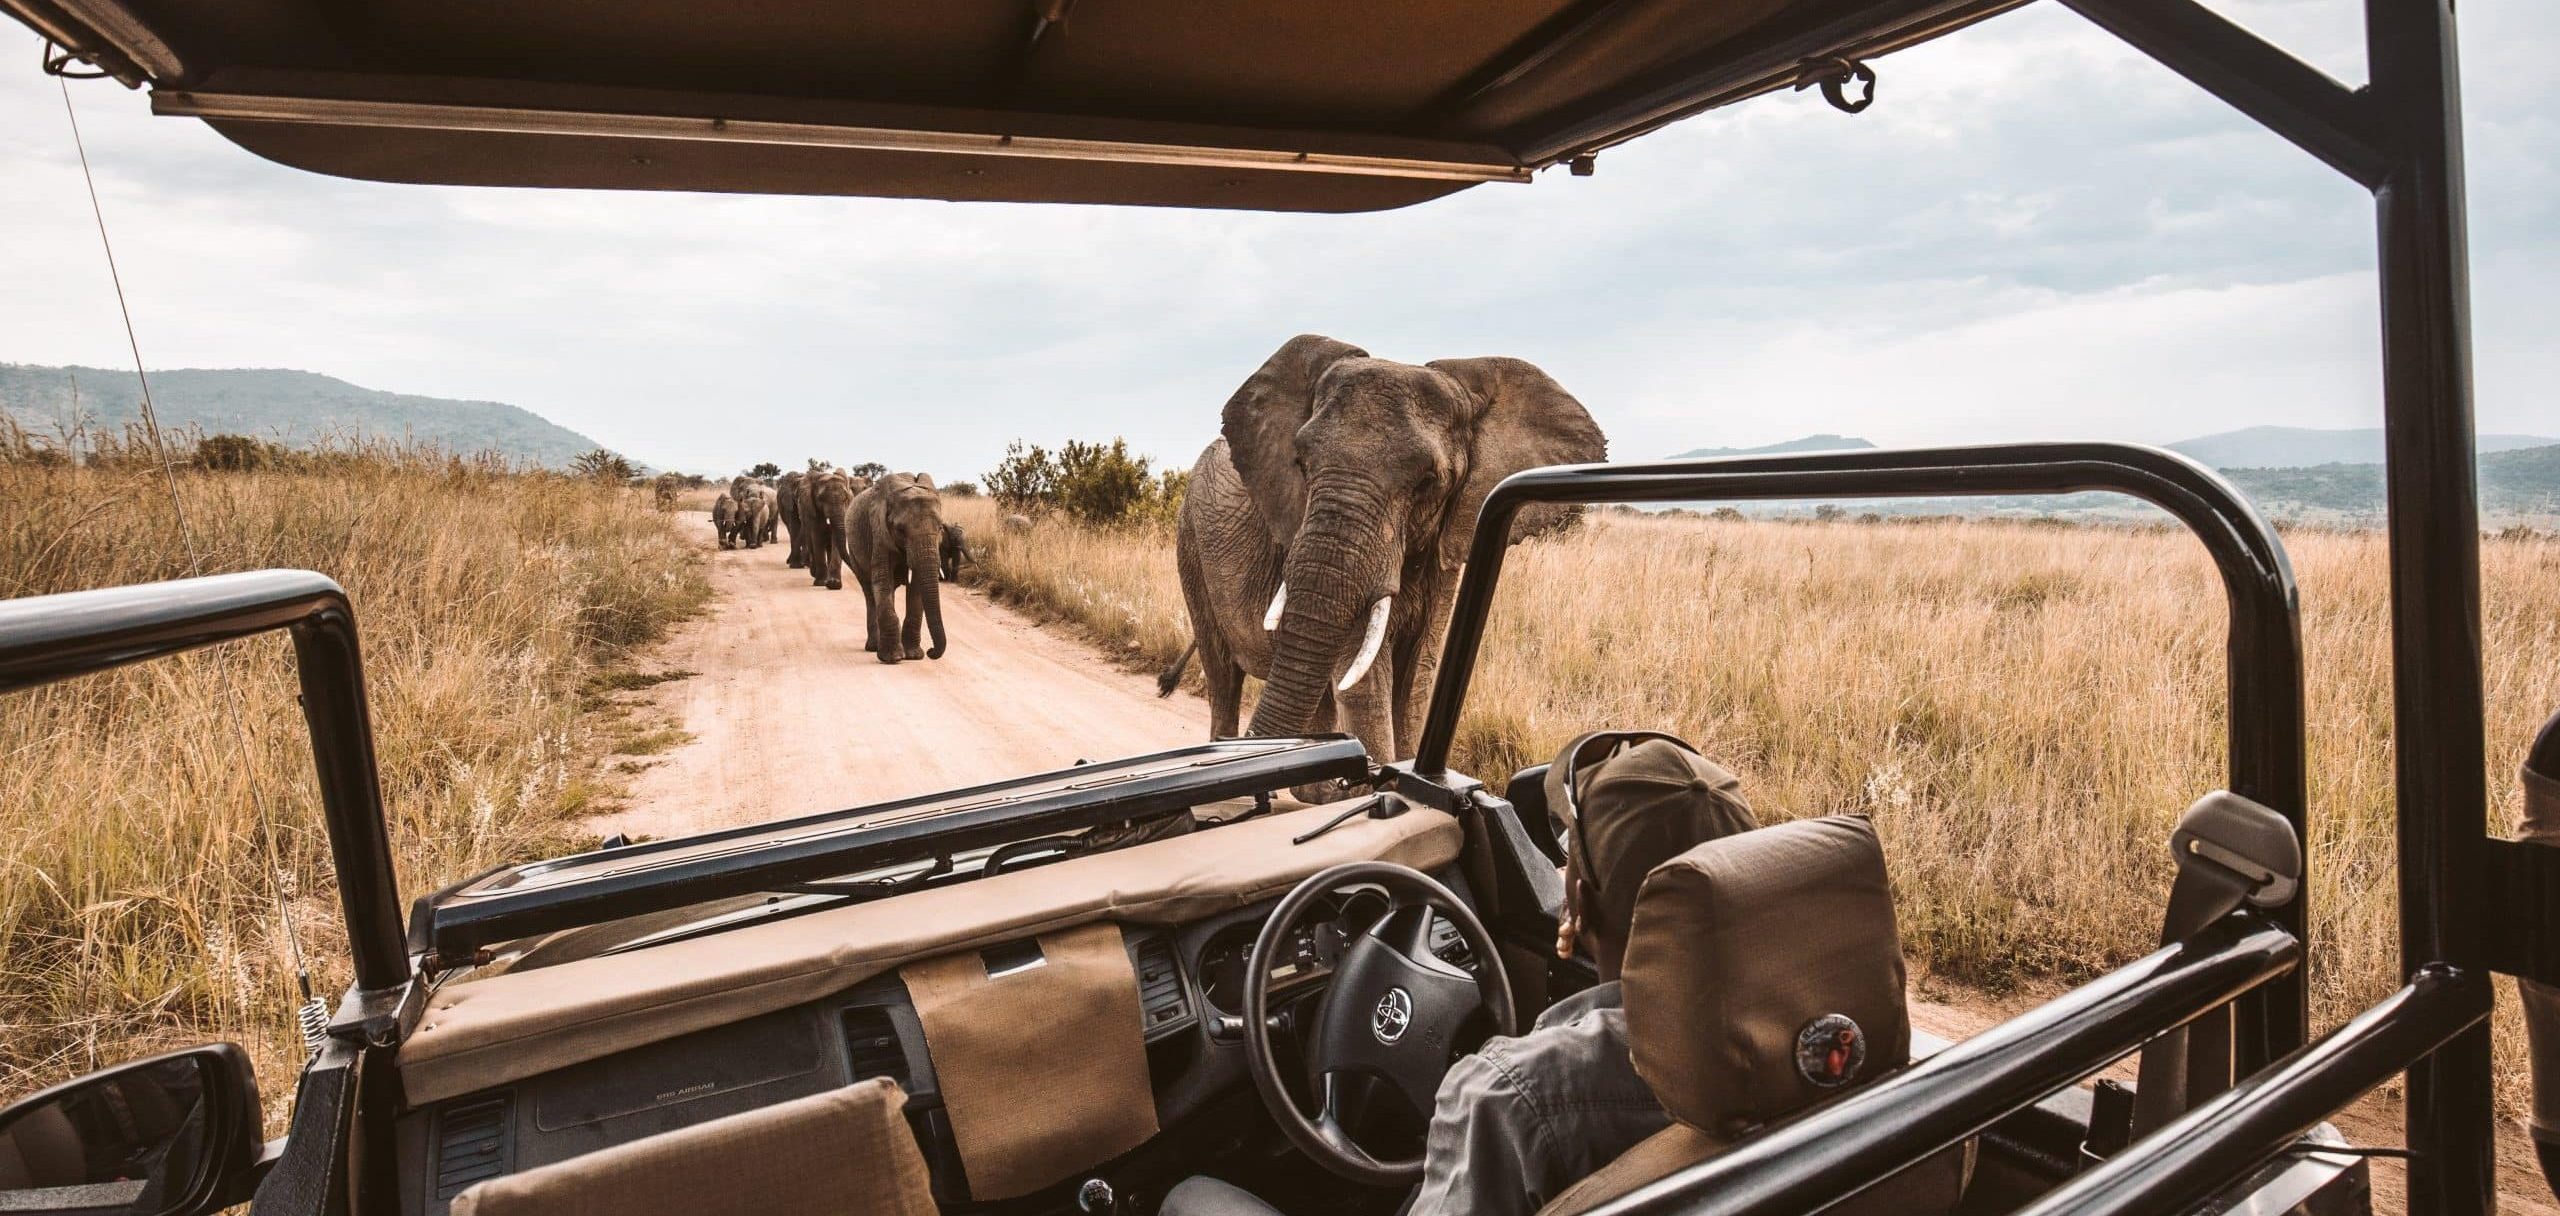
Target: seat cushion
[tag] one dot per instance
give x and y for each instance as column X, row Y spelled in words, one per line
column 846, row 1152
column 1934, row 1185
column 1764, row 972
column 1200, row 1195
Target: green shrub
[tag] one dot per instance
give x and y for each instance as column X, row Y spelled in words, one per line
column 1093, row 483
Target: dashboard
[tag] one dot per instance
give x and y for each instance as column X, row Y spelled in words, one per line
column 1306, row 957
column 1191, row 992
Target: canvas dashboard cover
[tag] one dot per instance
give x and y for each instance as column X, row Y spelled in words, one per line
column 486, row 1032
column 1027, row 1111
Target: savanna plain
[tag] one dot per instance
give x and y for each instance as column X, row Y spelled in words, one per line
column 2024, row 710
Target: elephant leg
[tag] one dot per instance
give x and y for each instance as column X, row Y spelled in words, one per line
column 1366, row 710
column 1418, row 664
column 1224, row 689
column 870, row 617
column 1331, row 714
column 911, row 633
column 883, row 601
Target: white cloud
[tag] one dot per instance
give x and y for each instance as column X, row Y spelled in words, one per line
column 2035, row 233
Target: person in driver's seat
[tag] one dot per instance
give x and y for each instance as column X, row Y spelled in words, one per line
column 1524, row 1118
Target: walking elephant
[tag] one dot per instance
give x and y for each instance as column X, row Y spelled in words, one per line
column 787, row 494
column 955, row 551
column 724, row 520
column 757, row 510
column 827, row 504
column 896, row 540
column 1324, row 529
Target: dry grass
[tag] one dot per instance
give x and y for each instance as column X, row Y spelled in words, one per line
column 2024, row 710
column 135, row 907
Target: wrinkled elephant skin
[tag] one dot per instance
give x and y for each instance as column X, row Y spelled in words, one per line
column 895, row 540
column 1354, row 482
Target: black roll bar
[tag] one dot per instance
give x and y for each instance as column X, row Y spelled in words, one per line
column 47, row 638
column 2263, row 650
column 1866, row 1137
column 2184, row 1164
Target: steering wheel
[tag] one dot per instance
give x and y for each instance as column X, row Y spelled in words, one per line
column 1392, row 1011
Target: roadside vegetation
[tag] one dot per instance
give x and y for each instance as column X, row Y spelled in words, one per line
column 137, row 908
column 2024, row 708
column 1101, row 484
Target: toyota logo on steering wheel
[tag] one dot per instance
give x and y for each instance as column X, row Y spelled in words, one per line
column 1393, row 1016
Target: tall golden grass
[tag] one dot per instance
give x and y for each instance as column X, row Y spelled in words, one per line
column 2024, row 710
column 136, row 908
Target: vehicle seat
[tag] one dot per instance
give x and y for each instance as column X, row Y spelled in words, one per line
column 1745, row 956
column 846, row 1151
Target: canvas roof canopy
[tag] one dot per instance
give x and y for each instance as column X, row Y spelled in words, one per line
column 1308, row 105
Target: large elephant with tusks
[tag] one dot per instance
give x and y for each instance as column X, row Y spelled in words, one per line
column 1321, row 537
column 895, row 540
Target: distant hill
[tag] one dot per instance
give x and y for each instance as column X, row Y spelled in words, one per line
column 290, row 407
column 2294, row 447
column 2517, row 481
column 1810, row 443
column 2299, row 473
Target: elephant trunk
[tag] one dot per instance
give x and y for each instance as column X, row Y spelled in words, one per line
column 924, row 591
column 1337, row 573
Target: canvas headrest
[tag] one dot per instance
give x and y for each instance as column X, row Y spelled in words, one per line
column 1764, row 972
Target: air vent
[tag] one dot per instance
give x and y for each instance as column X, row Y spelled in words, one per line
column 872, row 1043
column 1160, row 998
column 471, row 1144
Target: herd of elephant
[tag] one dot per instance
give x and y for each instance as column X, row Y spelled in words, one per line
column 1319, row 542
column 889, row 533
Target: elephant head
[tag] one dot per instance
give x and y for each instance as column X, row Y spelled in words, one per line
column 830, row 511
column 1369, row 474
column 911, row 522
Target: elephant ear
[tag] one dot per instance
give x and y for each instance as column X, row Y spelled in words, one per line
column 1521, row 419
column 1262, row 419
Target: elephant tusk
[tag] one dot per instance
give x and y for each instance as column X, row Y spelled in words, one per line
column 1279, row 600
column 1368, row 644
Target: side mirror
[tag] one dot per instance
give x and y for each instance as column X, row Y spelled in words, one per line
column 173, row 1135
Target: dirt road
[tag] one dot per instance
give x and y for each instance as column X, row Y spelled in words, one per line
column 788, row 715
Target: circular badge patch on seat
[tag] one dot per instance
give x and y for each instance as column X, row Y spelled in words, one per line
column 1830, row 1050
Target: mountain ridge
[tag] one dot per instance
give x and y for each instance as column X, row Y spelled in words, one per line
column 1823, row 442
column 2302, row 447
column 285, row 405
column 2519, row 475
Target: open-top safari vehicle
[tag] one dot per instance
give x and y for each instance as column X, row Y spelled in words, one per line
column 1077, row 1007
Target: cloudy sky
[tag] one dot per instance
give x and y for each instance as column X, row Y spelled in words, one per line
column 2034, row 234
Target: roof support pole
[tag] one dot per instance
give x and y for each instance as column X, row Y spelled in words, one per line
column 2290, row 97
column 2440, row 768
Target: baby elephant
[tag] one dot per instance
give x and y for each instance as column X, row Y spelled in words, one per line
column 955, row 550
column 725, row 520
